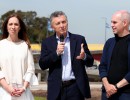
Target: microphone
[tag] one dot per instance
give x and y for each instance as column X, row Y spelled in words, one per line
column 61, row 38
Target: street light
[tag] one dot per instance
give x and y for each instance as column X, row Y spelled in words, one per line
column 105, row 19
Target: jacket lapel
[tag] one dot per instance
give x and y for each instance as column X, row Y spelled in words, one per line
column 129, row 53
column 72, row 45
column 112, row 44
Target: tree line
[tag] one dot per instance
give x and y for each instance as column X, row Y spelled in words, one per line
column 36, row 26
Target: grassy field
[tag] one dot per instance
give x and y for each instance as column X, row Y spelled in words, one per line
column 40, row 98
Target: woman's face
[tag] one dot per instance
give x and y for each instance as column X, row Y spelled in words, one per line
column 13, row 26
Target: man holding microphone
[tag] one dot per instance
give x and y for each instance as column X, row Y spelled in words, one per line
column 66, row 55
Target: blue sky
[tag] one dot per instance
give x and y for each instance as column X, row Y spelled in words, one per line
column 86, row 17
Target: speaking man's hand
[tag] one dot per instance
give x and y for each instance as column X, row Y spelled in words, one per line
column 60, row 48
column 82, row 53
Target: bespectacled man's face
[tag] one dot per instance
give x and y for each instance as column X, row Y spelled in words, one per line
column 117, row 24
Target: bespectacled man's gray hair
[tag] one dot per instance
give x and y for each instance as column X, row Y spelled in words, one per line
column 57, row 14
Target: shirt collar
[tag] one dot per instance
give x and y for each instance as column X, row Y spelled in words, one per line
column 65, row 38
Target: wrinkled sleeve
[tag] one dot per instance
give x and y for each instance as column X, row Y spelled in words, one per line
column 103, row 66
column 1, row 74
column 31, row 78
column 30, row 73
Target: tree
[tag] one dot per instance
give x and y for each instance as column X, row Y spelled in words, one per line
column 36, row 26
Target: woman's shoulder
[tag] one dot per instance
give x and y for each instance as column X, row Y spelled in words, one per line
column 23, row 43
column 3, row 41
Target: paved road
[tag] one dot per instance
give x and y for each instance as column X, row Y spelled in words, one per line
column 92, row 71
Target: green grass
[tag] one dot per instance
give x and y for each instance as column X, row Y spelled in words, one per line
column 40, row 98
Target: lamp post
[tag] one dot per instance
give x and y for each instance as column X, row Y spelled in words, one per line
column 105, row 29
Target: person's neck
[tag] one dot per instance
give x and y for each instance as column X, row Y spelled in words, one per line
column 123, row 34
column 62, row 34
column 13, row 39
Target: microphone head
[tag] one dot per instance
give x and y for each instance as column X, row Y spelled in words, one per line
column 61, row 38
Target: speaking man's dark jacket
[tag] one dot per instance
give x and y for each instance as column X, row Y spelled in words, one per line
column 50, row 59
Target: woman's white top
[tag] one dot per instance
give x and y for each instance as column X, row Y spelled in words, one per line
column 16, row 66
column 16, row 62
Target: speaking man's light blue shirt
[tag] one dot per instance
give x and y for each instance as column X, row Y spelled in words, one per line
column 67, row 73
